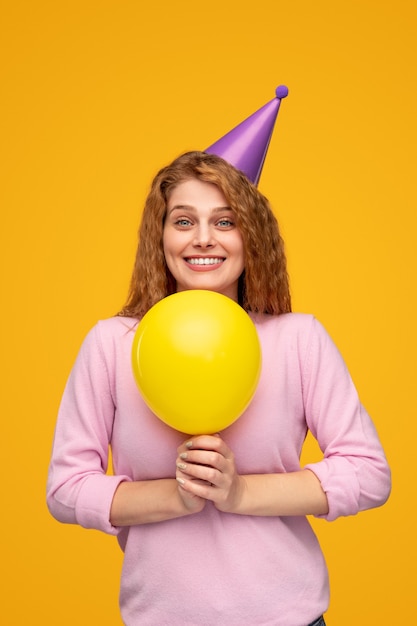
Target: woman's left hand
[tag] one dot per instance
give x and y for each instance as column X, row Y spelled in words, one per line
column 206, row 468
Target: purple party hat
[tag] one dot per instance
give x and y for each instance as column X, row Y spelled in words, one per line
column 246, row 145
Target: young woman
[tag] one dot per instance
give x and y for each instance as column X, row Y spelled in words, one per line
column 214, row 527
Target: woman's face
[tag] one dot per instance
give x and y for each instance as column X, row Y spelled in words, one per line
column 203, row 247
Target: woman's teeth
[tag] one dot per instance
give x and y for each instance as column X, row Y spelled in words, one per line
column 205, row 261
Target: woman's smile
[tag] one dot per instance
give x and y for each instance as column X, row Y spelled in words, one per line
column 204, row 263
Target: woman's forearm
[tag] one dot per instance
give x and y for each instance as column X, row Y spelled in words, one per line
column 143, row 502
column 293, row 493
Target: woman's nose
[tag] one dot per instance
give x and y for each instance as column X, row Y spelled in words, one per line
column 204, row 237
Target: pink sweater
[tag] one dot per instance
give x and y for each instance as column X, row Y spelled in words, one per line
column 215, row 568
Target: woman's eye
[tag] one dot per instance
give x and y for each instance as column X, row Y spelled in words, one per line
column 182, row 222
column 225, row 223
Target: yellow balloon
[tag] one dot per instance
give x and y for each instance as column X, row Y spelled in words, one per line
column 196, row 360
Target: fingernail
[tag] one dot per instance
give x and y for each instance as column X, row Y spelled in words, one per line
column 181, row 481
column 181, row 466
column 183, row 455
column 189, row 444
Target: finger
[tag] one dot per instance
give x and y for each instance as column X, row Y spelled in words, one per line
column 207, row 442
column 204, row 473
column 206, row 458
column 198, row 488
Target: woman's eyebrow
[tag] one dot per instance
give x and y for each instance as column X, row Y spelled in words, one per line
column 188, row 207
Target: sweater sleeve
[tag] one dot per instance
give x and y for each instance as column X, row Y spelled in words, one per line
column 78, row 490
column 354, row 472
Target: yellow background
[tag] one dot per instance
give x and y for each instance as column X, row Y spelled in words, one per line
column 96, row 96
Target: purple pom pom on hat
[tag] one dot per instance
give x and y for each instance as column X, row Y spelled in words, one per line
column 246, row 145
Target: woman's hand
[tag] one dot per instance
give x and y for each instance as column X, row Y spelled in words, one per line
column 206, row 469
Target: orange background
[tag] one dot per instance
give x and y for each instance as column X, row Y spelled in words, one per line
column 96, row 96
